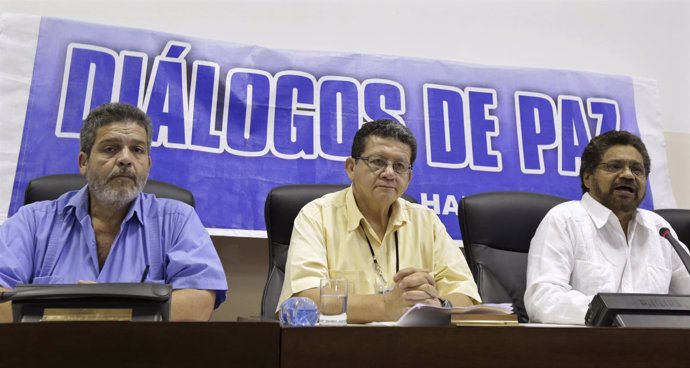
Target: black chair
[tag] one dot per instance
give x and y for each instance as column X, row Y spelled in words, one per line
column 52, row 186
column 680, row 222
column 497, row 228
column 282, row 206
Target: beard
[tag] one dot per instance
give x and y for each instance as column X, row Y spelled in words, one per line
column 615, row 204
column 117, row 197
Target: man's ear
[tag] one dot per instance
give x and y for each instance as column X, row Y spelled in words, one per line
column 587, row 179
column 82, row 160
column 350, row 167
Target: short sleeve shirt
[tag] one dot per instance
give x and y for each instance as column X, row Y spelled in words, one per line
column 329, row 239
column 53, row 242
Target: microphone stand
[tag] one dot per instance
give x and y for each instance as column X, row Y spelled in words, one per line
column 684, row 256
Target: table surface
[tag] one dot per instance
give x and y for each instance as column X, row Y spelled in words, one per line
column 484, row 347
column 264, row 344
column 139, row 344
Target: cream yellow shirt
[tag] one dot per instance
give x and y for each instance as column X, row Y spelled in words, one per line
column 328, row 241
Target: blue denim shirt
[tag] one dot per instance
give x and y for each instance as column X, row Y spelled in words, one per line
column 53, row 242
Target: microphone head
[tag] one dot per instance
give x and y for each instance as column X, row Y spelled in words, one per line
column 664, row 232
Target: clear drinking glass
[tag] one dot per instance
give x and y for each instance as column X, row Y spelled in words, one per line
column 333, row 302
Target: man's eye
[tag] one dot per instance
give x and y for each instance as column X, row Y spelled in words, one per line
column 399, row 166
column 377, row 162
column 615, row 166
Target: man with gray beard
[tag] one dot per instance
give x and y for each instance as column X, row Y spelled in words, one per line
column 109, row 231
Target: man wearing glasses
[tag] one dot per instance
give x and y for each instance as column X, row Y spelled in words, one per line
column 604, row 242
column 394, row 253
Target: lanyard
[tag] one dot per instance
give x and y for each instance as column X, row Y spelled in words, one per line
column 376, row 262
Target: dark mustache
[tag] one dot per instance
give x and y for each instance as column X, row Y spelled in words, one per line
column 625, row 182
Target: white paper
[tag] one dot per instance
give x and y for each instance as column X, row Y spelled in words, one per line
column 429, row 315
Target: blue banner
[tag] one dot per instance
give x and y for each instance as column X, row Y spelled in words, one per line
column 233, row 121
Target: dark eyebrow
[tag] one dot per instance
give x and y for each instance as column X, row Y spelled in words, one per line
column 388, row 159
column 119, row 141
column 625, row 161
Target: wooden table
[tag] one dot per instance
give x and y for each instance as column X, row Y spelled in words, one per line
column 262, row 344
column 383, row 347
column 139, row 344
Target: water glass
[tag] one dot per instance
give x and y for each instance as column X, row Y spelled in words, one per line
column 333, row 302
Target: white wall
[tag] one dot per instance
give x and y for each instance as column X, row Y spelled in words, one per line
column 645, row 38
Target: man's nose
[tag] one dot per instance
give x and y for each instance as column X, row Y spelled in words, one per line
column 627, row 172
column 388, row 170
column 125, row 157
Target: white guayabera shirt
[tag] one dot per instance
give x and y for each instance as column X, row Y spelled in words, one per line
column 580, row 250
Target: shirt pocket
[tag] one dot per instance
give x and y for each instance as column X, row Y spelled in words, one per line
column 48, row 280
column 658, row 279
column 357, row 282
column 584, row 241
column 590, row 277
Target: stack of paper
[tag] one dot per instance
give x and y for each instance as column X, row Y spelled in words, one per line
column 483, row 314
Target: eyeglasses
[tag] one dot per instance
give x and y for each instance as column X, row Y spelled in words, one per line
column 617, row 166
column 377, row 163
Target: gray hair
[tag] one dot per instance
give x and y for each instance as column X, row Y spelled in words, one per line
column 109, row 113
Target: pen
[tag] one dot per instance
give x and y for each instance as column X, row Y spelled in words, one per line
column 146, row 273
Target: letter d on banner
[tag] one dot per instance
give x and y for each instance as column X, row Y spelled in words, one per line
column 87, row 82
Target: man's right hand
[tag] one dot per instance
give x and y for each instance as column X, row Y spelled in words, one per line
column 412, row 286
column 417, row 285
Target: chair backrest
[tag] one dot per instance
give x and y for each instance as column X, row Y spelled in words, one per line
column 282, row 206
column 497, row 228
column 52, row 186
column 680, row 222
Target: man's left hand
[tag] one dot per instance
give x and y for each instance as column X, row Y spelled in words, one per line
column 417, row 286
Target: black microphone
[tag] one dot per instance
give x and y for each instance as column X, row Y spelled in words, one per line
column 666, row 233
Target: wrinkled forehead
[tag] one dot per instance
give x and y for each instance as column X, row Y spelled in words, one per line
column 387, row 147
column 121, row 130
column 623, row 153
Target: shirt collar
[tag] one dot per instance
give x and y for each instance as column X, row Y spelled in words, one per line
column 397, row 219
column 79, row 204
column 601, row 214
column 136, row 210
